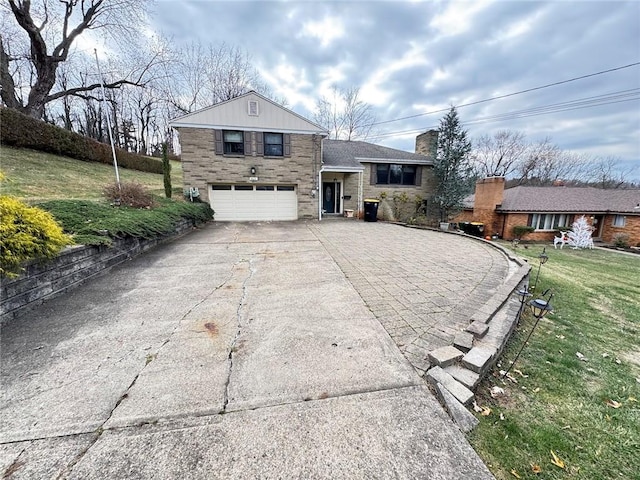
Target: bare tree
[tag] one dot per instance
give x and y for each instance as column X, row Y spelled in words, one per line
column 201, row 76
column 345, row 115
column 608, row 172
column 499, row 155
column 51, row 29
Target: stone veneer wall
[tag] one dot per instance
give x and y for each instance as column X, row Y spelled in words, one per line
column 202, row 167
column 426, row 190
column 70, row 268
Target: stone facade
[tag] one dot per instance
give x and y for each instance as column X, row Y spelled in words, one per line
column 202, row 167
column 425, row 190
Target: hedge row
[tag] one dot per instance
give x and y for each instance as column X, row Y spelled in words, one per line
column 20, row 130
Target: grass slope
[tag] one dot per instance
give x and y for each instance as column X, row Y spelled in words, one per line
column 587, row 412
column 35, row 176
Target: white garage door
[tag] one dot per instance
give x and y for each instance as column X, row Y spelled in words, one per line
column 254, row 202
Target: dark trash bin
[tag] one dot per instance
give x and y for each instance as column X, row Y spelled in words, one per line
column 371, row 209
column 472, row 228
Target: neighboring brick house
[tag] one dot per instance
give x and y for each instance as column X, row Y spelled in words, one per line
column 253, row 159
column 550, row 209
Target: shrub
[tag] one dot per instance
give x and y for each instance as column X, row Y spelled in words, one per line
column 131, row 194
column 26, row 233
column 19, row 130
column 621, row 240
column 520, row 231
column 96, row 223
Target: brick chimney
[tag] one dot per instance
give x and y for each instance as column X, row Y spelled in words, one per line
column 489, row 192
column 427, row 143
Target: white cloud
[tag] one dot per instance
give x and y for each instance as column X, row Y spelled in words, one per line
column 458, row 16
column 326, row 30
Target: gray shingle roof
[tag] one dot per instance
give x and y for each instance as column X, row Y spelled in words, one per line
column 570, row 199
column 343, row 153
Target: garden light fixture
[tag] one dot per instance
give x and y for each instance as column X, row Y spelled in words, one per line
column 542, row 258
column 524, row 294
column 539, row 308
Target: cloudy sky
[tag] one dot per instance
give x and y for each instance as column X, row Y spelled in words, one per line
column 413, row 58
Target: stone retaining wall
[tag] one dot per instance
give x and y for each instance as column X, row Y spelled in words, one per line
column 70, row 268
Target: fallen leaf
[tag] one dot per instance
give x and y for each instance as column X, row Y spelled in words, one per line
column 557, row 461
column 613, row 404
column 632, row 399
column 536, row 390
column 560, row 337
column 618, row 361
column 520, row 373
column 486, row 411
column 514, row 473
column 501, row 416
column 535, row 468
column 605, row 355
column 591, row 370
column 497, row 392
column 581, row 357
column 476, row 407
column 566, row 427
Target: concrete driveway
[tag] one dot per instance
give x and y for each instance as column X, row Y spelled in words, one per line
column 248, row 351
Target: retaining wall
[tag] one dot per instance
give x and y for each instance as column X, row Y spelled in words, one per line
column 70, row 268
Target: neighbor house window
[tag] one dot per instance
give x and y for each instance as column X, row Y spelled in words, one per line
column 619, row 221
column 549, row 221
column 392, row 174
column 233, row 142
column 273, row 145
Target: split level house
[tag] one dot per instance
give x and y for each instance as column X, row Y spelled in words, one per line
column 253, row 159
column 552, row 209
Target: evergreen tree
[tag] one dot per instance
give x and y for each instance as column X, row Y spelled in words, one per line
column 166, row 171
column 453, row 170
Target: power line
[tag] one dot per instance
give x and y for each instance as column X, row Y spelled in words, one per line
column 509, row 94
column 586, row 102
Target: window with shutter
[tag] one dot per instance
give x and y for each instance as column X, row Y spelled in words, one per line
column 233, row 142
column 273, row 144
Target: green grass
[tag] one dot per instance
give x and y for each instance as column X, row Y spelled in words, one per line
column 96, row 223
column 72, row 191
column 561, row 404
column 34, row 176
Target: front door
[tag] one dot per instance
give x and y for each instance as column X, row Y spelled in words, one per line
column 331, row 197
column 598, row 222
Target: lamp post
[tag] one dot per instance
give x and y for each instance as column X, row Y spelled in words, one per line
column 539, row 308
column 542, row 258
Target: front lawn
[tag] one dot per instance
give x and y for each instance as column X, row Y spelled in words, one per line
column 578, row 378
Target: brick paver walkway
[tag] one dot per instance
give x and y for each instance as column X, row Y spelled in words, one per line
column 422, row 285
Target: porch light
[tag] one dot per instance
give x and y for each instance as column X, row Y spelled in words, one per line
column 252, row 170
